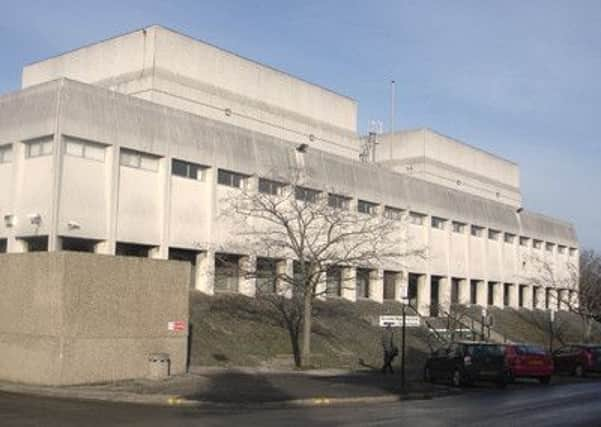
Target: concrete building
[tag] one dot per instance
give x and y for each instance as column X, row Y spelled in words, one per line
column 126, row 147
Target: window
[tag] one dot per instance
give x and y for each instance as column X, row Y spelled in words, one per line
column 416, row 218
column 188, row 170
column 509, row 238
column 477, row 231
column 84, row 149
column 366, row 207
column 573, row 252
column 338, row 202
column 537, row 244
column 549, row 247
column 231, row 179
column 6, row 153
column 393, row 213
column 458, row 227
column 136, row 159
column 493, row 234
column 561, row 249
column 438, row 223
column 267, row 186
column 524, row 241
column 38, row 148
column 306, row 194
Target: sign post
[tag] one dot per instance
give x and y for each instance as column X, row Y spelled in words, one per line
column 403, row 346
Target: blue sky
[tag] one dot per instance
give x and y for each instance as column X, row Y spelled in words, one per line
column 519, row 78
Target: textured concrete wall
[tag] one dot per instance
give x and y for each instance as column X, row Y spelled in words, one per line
column 70, row 318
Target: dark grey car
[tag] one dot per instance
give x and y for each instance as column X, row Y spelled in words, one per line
column 464, row 362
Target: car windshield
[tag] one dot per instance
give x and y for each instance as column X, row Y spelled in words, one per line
column 486, row 350
column 596, row 351
column 530, row 350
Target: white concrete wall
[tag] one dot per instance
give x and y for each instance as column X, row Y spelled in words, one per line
column 172, row 69
column 155, row 208
column 445, row 161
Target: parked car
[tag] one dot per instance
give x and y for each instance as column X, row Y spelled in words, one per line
column 464, row 362
column 529, row 361
column 578, row 359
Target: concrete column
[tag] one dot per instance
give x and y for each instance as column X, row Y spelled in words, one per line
column 322, row 286
column 111, row 184
column 444, row 295
column 514, row 295
column 403, row 285
column 14, row 245
column 157, row 253
column 464, row 292
column 247, row 279
column 285, row 272
column 205, row 272
column 165, row 203
column 423, row 294
column 528, row 297
column 104, row 248
column 482, row 293
column 574, row 298
column 497, row 295
column 539, row 295
column 563, row 299
column 376, row 285
column 349, row 283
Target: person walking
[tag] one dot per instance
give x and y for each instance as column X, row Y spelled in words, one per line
column 390, row 349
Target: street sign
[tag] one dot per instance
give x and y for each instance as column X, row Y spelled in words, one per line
column 176, row 326
column 397, row 321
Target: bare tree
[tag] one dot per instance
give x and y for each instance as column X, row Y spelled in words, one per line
column 587, row 300
column 320, row 232
column 577, row 289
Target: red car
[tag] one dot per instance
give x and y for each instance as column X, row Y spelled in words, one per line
column 529, row 361
column 578, row 359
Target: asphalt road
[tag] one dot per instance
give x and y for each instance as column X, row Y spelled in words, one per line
column 525, row 405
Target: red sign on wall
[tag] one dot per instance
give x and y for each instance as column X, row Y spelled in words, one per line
column 176, row 325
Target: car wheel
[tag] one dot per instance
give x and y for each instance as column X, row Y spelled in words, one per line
column 579, row 371
column 545, row 380
column 456, row 378
column 427, row 375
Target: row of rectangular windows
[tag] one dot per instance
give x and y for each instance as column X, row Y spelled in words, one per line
column 136, row 159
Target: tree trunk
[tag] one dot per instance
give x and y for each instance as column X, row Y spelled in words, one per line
column 307, row 320
column 588, row 326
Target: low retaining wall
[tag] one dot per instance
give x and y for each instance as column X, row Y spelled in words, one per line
column 74, row 318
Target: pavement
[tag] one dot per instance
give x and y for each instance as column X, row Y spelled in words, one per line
column 247, row 387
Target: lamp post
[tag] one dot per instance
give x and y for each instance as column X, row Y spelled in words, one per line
column 404, row 301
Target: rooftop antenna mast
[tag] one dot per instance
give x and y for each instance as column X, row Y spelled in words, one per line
column 392, row 102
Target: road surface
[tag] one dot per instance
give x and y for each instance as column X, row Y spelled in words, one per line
column 526, row 405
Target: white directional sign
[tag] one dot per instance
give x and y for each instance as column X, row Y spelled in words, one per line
column 397, row 321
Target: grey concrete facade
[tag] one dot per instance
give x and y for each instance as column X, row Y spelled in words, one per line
column 73, row 318
column 124, row 193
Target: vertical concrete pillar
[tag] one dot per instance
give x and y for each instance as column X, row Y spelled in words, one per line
column 376, row 285
column 205, row 272
column 563, row 299
column 157, row 253
column 423, row 294
column 403, row 285
column 574, row 298
column 104, row 248
column 464, row 292
column 497, row 296
column 444, row 295
column 14, row 245
column 482, row 293
column 527, row 297
column 285, row 273
column 514, row 295
column 247, row 278
column 322, row 287
column 538, row 296
column 349, row 283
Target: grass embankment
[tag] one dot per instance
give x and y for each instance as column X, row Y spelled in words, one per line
column 233, row 330
column 532, row 326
